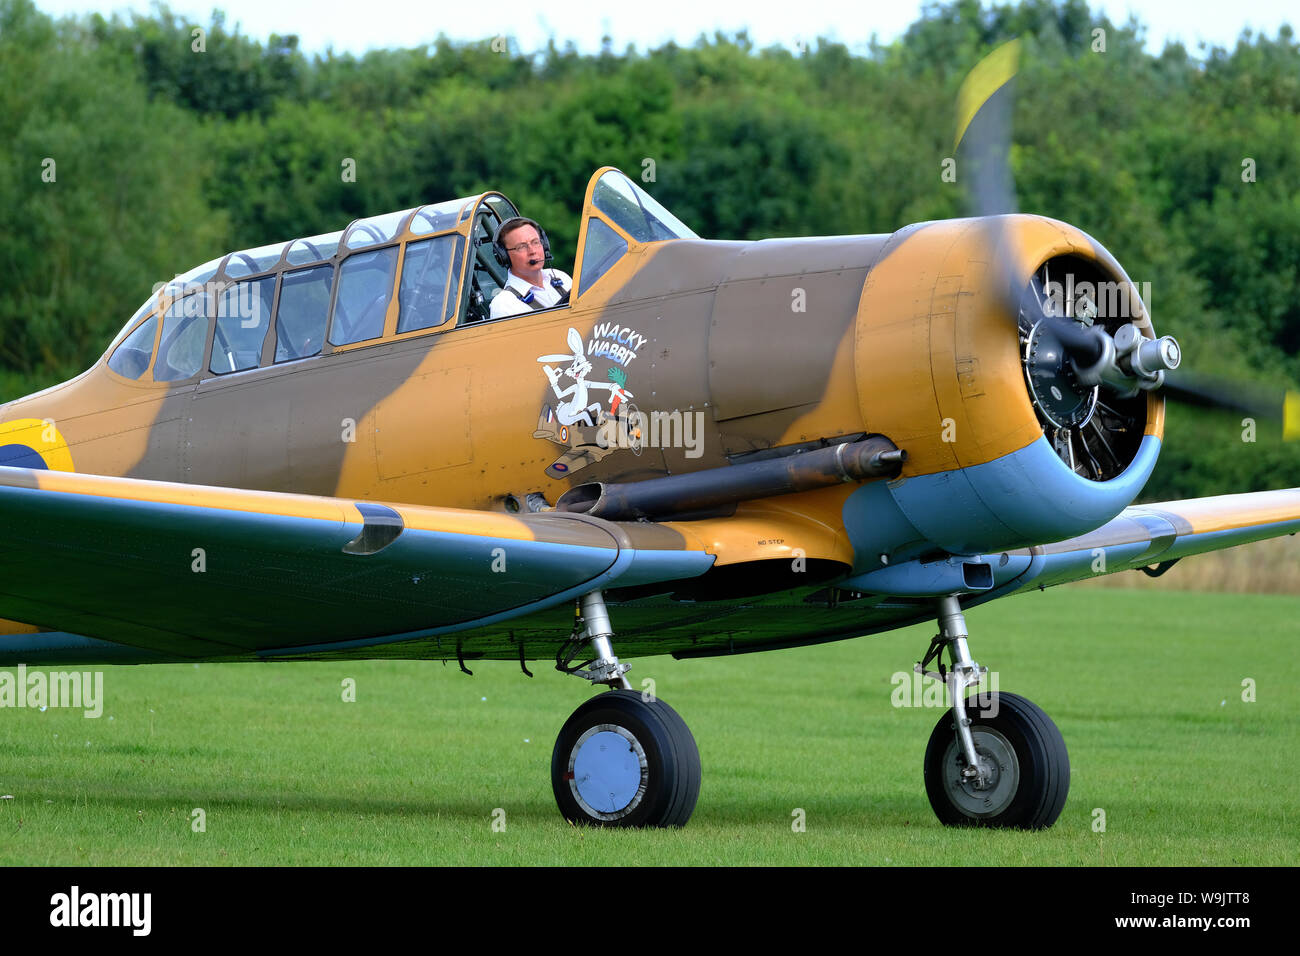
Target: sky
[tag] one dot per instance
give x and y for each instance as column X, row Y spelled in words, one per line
column 375, row 24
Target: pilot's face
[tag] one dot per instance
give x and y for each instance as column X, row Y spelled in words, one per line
column 525, row 248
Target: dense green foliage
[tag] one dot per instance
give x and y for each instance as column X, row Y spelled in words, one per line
column 167, row 157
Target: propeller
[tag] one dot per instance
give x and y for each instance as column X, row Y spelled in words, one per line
column 1279, row 406
column 1121, row 363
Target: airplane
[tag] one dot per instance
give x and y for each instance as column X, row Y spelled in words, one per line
column 326, row 448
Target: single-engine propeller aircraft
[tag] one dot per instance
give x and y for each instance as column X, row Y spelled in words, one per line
column 326, row 448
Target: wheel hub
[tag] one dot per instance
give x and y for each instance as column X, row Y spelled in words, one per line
column 992, row 791
column 608, row 772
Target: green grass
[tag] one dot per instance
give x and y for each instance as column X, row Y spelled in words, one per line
column 1145, row 686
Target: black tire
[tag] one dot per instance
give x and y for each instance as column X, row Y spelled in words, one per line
column 656, row 779
column 1033, row 767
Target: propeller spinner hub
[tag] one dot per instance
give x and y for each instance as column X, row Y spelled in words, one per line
column 1053, row 383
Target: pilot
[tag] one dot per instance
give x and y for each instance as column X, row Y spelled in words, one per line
column 521, row 244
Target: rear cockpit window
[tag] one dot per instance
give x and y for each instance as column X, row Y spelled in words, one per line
column 301, row 315
column 430, row 282
column 365, row 289
column 131, row 358
column 243, row 318
column 220, row 312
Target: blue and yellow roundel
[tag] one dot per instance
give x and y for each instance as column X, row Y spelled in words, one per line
column 33, row 443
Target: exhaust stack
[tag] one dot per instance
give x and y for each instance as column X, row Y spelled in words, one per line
column 872, row 457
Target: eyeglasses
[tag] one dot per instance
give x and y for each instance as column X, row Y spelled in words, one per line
column 525, row 245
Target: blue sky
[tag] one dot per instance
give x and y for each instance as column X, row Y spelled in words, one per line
column 386, row 23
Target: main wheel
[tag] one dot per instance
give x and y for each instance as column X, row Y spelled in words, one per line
column 621, row 761
column 1022, row 754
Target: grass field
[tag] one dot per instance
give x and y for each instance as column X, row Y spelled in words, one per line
column 1146, row 687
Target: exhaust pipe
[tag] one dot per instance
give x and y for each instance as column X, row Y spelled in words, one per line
column 872, row 457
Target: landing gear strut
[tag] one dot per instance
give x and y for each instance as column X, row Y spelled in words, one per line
column 994, row 760
column 623, row 759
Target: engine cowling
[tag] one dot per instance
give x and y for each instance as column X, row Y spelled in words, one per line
column 1006, row 446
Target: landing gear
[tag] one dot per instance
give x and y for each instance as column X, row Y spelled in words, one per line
column 621, row 759
column 994, row 760
column 1024, row 771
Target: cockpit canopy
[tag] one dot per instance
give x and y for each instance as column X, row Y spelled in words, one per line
column 414, row 272
column 635, row 211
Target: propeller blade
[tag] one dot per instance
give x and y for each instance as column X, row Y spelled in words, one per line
column 984, row 110
column 985, row 105
column 1256, row 401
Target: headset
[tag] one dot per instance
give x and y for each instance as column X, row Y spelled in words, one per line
column 499, row 245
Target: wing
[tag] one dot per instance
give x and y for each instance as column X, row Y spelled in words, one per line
column 113, row 569
column 1147, row 536
column 897, row 596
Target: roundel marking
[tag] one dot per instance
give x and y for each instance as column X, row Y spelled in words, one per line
column 20, row 456
column 34, row 443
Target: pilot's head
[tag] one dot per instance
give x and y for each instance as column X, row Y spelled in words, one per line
column 523, row 242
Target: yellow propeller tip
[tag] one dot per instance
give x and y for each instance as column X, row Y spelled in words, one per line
column 1291, row 416
column 987, row 77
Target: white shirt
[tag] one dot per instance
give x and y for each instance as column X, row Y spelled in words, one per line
column 507, row 303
